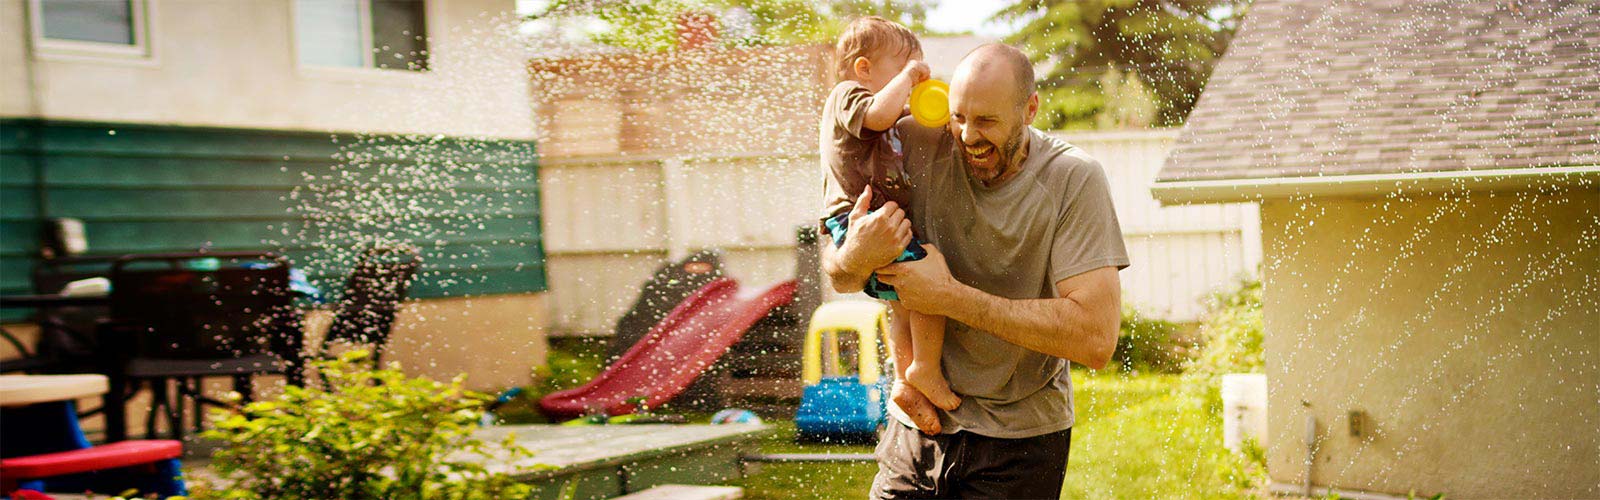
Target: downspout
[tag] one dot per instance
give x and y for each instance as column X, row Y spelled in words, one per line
column 1311, row 447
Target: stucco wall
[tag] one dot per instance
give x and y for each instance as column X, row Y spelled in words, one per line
column 1465, row 327
column 233, row 64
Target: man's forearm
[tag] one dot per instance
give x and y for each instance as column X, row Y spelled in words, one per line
column 1059, row 327
column 844, row 279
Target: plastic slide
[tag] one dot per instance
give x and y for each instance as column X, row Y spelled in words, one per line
column 684, row 344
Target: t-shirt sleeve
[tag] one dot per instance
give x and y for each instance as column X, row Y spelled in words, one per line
column 850, row 102
column 1087, row 234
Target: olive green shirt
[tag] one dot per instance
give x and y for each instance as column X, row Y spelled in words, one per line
column 1052, row 221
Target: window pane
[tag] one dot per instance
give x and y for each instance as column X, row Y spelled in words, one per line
column 329, row 32
column 399, row 34
column 105, row 21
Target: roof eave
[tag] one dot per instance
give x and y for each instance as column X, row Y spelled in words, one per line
column 1248, row 190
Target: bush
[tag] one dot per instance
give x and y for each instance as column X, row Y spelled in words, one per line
column 1230, row 339
column 1148, row 344
column 371, row 434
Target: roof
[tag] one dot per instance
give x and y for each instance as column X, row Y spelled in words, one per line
column 1318, row 89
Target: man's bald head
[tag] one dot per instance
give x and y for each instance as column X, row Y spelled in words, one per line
column 1000, row 59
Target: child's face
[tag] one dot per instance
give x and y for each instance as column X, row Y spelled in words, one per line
column 884, row 67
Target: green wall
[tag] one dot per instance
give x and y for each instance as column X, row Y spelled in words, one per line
column 472, row 206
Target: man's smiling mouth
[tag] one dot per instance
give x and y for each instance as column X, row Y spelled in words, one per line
column 979, row 152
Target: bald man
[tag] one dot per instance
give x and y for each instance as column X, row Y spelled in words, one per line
column 1023, row 258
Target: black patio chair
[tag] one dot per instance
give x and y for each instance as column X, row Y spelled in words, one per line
column 372, row 296
column 188, row 316
column 66, row 339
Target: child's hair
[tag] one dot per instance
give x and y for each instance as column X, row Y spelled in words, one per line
column 868, row 37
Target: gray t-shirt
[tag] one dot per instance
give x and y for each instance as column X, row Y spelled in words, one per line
column 1054, row 220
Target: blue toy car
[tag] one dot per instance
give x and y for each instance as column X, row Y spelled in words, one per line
column 838, row 405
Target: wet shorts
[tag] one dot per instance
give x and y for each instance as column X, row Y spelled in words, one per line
column 838, row 225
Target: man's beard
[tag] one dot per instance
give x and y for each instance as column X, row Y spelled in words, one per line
column 1006, row 161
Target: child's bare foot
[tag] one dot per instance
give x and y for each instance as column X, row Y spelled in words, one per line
column 917, row 407
column 932, row 384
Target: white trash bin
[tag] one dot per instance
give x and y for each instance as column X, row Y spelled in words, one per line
column 1244, row 409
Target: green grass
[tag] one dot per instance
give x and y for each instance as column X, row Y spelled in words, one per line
column 807, row 480
column 1136, row 437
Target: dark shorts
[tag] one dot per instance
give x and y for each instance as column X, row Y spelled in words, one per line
column 839, row 225
column 966, row 465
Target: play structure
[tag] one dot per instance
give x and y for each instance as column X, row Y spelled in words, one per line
column 674, row 353
column 695, row 337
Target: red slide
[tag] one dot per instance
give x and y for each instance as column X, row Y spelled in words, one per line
column 676, row 350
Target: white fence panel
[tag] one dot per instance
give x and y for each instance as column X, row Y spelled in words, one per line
column 609, row 222
column 1180, row 254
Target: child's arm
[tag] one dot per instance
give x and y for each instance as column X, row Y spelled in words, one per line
column 888, row 104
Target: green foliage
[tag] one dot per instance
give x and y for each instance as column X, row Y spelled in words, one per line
column 1090, row 46
column 371, row 434
column 1148, row 344
column 651, row 25
column 1145, row 437
column 1230, row 337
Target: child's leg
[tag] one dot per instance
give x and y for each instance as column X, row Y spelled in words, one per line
column 925, row 371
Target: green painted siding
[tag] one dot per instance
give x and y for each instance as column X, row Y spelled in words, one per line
column 472, row 206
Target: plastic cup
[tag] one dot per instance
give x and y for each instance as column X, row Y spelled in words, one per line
column 930, row 103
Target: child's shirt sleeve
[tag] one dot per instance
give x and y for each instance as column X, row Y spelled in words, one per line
column 848, row 105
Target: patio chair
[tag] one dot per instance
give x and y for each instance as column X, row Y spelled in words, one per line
column 372, row 296
column 65, row 342
column 185, row 317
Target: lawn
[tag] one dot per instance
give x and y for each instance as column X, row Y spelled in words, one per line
column 1136, row 437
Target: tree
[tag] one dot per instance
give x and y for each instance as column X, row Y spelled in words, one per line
column 1168, row 47
column 650, row 25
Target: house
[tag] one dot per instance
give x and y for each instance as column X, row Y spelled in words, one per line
column 1429, row 183
column 306, row 126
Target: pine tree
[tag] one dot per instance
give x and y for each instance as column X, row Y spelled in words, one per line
column 1085, row 46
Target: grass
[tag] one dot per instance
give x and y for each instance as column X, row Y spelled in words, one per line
column 807, row 480
column 1136, row 437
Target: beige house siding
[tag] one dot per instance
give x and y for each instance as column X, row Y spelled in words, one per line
column 233, row 64
column 1463, row 325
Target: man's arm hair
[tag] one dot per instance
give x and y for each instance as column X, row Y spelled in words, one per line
column 844, row 280
column 1081, row 325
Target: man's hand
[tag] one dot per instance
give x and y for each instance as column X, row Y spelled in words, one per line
column 916, row 406
column 875, row 239
column 924, row 286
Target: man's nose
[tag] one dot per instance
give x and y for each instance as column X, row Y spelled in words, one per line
column 967, row 136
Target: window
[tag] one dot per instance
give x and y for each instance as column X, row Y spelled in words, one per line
column 89, row 26
column 386, row 34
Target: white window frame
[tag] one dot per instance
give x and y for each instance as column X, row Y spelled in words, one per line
column 432, row 15
column 141, row 12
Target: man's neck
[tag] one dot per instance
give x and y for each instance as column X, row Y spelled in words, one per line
column 1016, row 161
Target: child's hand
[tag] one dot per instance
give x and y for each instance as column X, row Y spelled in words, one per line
column 917, row 71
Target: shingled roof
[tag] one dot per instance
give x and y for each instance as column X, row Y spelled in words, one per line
column 1318, row 88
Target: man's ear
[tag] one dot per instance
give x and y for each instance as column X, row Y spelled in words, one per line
column 1033, row 108
column 863, row 68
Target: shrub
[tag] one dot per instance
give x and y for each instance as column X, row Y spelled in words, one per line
column 1230, row 339
column 371, row 434
column 1148, row 344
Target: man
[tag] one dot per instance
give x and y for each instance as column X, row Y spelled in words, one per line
column 1023, row 258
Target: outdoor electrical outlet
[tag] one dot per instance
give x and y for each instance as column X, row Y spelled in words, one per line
column 1358, row 423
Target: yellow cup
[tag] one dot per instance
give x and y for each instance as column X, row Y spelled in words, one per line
column 930, row 103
